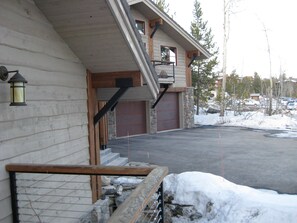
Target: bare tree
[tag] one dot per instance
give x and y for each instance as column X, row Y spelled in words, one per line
column 228, row 11
column 270, row 74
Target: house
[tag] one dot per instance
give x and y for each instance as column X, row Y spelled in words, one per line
column 171, row 50
column 71, row 52
column 255, row 96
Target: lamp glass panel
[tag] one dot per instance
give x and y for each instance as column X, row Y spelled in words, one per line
column 17, row 92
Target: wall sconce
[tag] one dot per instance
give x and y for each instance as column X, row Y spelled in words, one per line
column 17, row 86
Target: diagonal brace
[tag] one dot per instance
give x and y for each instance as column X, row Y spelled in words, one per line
column 192, row 60
column 157, row 25
column 110, row 104
column 161, row 95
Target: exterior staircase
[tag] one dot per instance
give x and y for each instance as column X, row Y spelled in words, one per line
column 108, row 158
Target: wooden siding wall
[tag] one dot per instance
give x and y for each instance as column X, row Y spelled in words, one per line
column 53, row 127
column 162, row 39
column 140, row 17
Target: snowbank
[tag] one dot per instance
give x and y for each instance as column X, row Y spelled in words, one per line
column 251, row 120
column 218, row 200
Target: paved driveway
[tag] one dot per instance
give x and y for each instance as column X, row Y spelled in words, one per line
column 243, row 156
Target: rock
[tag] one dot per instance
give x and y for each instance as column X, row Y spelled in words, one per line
column 119, row 190
column 168, row 198
column 109, row 190
column 120, row 199
column 105, row 181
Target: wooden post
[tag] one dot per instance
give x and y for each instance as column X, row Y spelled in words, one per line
column 103, row 128
column 188, row 71
column 93, row 137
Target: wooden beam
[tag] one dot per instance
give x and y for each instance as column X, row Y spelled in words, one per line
column 153, row 22
column 103, row 127
column 130, row 209
column 78, row 169
column 108, row 79
column 188, row 70
column 175, row 89
column 93, row 137
column 193, row 53
column 150, row 44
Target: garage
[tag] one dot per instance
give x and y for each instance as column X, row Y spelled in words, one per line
column 131, row 118
column 168, row 112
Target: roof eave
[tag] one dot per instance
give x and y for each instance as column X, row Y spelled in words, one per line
column 121, row 12
column 175, row 26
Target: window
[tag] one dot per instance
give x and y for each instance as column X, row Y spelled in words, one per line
column 140, row 26
column 168, row 54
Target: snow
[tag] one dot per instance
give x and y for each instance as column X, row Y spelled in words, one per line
column 256, row 120
column 219, row 200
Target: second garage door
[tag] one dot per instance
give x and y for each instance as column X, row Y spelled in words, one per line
column 131, row 118
column 168, row 112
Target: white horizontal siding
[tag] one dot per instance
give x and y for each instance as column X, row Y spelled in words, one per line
column 52, row 128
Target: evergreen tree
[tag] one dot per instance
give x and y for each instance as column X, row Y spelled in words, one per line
column 203, row 74
column 257, row 83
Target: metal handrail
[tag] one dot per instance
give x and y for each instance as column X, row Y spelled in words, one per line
column 129, row 211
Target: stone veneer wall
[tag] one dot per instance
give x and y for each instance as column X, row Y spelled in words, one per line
column 152, row 119
column 188, row 99
column 112, row 130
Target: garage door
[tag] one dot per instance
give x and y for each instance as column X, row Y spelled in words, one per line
column 130, row 118
column 168, row 112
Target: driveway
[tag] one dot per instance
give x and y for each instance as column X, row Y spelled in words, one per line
column 244, row 156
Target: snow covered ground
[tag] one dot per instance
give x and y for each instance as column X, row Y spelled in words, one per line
column 217, row 200
column 286, row 122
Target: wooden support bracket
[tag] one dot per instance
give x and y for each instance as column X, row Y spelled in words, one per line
column 155, row 24
column 108, row 79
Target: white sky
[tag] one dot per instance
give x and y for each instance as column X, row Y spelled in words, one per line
column 247, row 46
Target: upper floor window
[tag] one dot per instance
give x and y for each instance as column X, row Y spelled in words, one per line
column 140, row 25
column 168, row 54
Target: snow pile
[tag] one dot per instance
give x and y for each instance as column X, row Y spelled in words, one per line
column 214, row 199
column 249, row 119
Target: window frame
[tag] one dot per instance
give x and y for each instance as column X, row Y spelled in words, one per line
column 171, row 48
column 137, row 21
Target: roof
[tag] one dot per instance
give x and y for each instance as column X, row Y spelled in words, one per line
column 102, row 36
column 170, row 27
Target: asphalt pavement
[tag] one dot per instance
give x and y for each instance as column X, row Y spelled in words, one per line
column 244, row 156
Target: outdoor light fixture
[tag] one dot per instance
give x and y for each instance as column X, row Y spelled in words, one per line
column 17, row 86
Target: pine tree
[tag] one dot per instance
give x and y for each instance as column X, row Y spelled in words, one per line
column 203, row 74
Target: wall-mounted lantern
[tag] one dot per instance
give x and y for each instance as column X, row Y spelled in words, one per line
column 17, row 86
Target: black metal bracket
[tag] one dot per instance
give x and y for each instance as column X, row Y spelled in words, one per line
column 14, row 197
column 157, row 25
column 161, row 95
column 192, row 60
column 161, row 203
column 124, row 84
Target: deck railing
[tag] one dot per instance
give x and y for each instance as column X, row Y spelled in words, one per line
column 165, row 71
column 62, row 193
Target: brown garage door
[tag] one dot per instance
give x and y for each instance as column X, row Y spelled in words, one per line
column 168, row 112
column 130, row 118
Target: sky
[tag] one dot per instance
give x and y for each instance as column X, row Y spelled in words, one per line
column 248, row 46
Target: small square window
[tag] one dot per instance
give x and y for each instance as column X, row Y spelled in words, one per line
column 168, row 54
column 140, row 25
